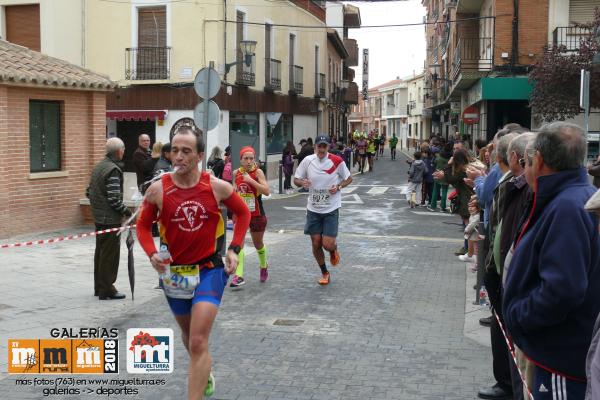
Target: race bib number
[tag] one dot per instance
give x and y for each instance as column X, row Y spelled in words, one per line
column 249, row 200
column 320, row 198
column 182, row 281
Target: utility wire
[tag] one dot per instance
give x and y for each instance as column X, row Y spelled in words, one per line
column 361, row 27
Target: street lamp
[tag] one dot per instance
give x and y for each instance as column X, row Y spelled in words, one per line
column 247, row 47
column 433, row 69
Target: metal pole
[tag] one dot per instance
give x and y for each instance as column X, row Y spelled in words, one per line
column 205, row 111
column 280, row 177
column 584, row 102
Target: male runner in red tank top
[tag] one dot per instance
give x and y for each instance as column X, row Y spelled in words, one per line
column 186, row 203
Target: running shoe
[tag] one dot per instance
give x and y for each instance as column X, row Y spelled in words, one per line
column 325, row 279
column 432, row 209
column 335, row 258
column 264, row 274
column 237, row 281
column 467, row 258
column 209, row 390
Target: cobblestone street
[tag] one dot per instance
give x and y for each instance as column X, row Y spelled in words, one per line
column 389, row 326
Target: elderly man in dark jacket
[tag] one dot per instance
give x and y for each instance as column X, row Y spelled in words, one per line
column 552, row 272
column 105, row 192
column 142, row 161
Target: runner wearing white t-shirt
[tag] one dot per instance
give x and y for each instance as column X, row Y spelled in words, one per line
column 324, row 175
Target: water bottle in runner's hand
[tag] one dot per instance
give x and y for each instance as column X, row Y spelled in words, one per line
column 165, row 255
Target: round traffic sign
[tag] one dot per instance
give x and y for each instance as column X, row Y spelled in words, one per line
column 213, row 115
column 470, row 115
column 207, row 83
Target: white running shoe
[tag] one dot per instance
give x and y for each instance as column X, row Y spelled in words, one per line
column 466, row 258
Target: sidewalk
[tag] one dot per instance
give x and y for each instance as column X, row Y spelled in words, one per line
column 473, row 312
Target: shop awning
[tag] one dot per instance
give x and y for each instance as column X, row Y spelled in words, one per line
column 136, row 115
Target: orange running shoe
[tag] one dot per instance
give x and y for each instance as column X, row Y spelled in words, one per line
column 335, row 257
column 325, row 279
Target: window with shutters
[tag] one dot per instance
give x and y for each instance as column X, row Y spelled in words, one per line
column 582, row 11
column 44, row 136
column 151, row 58
column 23, row 25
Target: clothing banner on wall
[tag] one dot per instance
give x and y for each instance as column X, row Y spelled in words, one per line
column 365, row 82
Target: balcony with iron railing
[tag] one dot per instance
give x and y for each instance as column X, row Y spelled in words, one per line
column 332, row 90
column 296, row 79
column 147, row 63
column 390, row 109
column 570, row 36
column 472, row 55
column 272, row 74
column 245, row 75
column 410, row 106
column 351, row 94
column 435, row 51
column 352, row 48
column 319, row 85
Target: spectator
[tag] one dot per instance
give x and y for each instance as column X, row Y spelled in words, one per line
column 216, row 163
column 105, row 192
column 227, row 174
column 142, row 161
column 287, row 162
column 594, row 170
column 427, row 189
column 592, row 365
column 164, row 162
column 440, row 186
column 552, row 283
column 500, row 356
column 306, row 150
column 416, row 173
column 479, row 145
column 290, row 145
column 455, row 175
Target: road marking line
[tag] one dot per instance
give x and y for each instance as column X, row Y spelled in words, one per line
column 295, row 208
column 348, row 189
column 362, row 235
column 356, row 200
column 378, row 190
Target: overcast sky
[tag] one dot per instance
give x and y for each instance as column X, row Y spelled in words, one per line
column 393, row 52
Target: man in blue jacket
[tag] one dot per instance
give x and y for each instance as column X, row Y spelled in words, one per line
column 552, row 288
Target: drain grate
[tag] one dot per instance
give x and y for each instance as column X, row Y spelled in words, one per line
column 288, row 322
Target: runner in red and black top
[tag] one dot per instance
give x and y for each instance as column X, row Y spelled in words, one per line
column 186, row 204
column 250, row 183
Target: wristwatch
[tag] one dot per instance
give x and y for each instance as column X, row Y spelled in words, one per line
column 235, row 249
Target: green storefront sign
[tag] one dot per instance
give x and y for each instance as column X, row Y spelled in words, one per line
column 513, row 88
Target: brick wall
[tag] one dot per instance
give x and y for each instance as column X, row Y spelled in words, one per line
column 533, row 30
column 31, row 205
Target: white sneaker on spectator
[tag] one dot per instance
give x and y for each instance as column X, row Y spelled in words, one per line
column 466, row 258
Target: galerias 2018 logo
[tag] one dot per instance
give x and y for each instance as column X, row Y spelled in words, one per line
column 150, row 350
column 190, row 215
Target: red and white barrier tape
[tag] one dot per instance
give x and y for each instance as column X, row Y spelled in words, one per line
column 511, row 350
column 65, row 238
